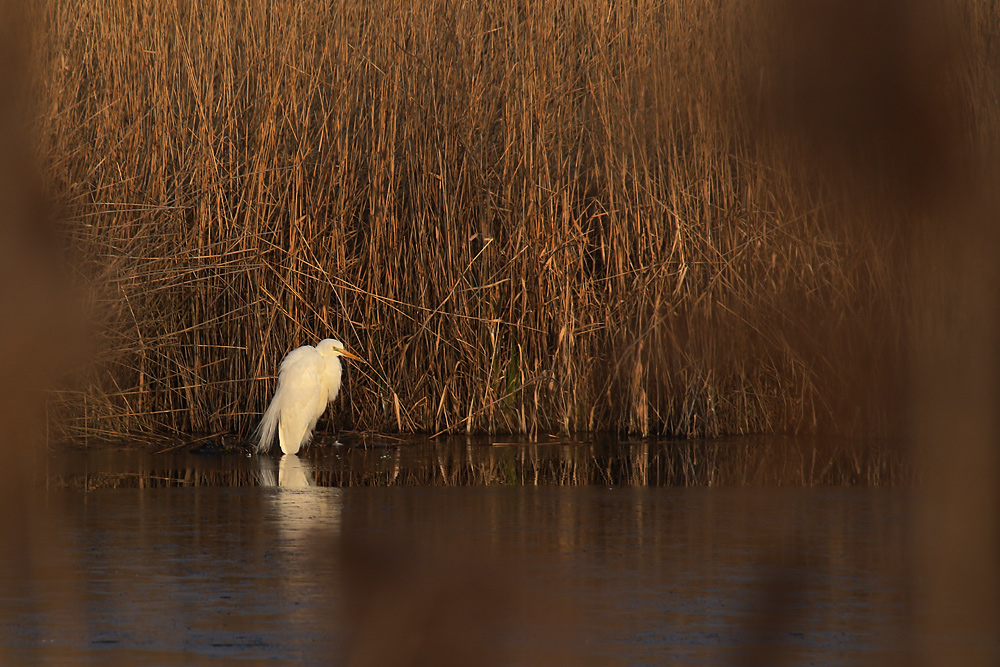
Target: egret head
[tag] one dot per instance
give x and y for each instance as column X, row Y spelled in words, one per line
column 334, row 348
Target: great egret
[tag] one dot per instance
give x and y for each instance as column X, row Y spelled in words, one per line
column 308, row 380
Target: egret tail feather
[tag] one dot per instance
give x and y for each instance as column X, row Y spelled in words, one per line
column 264, row 435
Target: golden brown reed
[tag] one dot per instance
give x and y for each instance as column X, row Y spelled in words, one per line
column 528, row 218
column 901, row 96
column 37, row 340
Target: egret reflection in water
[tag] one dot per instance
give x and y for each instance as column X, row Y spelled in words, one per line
column 290, row 472
column 294, row 473
column 302, row 509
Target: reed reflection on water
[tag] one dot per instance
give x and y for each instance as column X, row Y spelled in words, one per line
column 462, row 461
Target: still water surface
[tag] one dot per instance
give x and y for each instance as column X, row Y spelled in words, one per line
column 267, row 567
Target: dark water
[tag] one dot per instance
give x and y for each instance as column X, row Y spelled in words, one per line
column 269, row 568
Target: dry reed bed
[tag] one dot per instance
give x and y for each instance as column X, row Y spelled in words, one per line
column 529, row 219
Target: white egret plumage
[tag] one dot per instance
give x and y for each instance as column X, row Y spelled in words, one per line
column 308, row 380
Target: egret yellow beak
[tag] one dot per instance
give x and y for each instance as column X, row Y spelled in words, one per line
column 345, row 353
